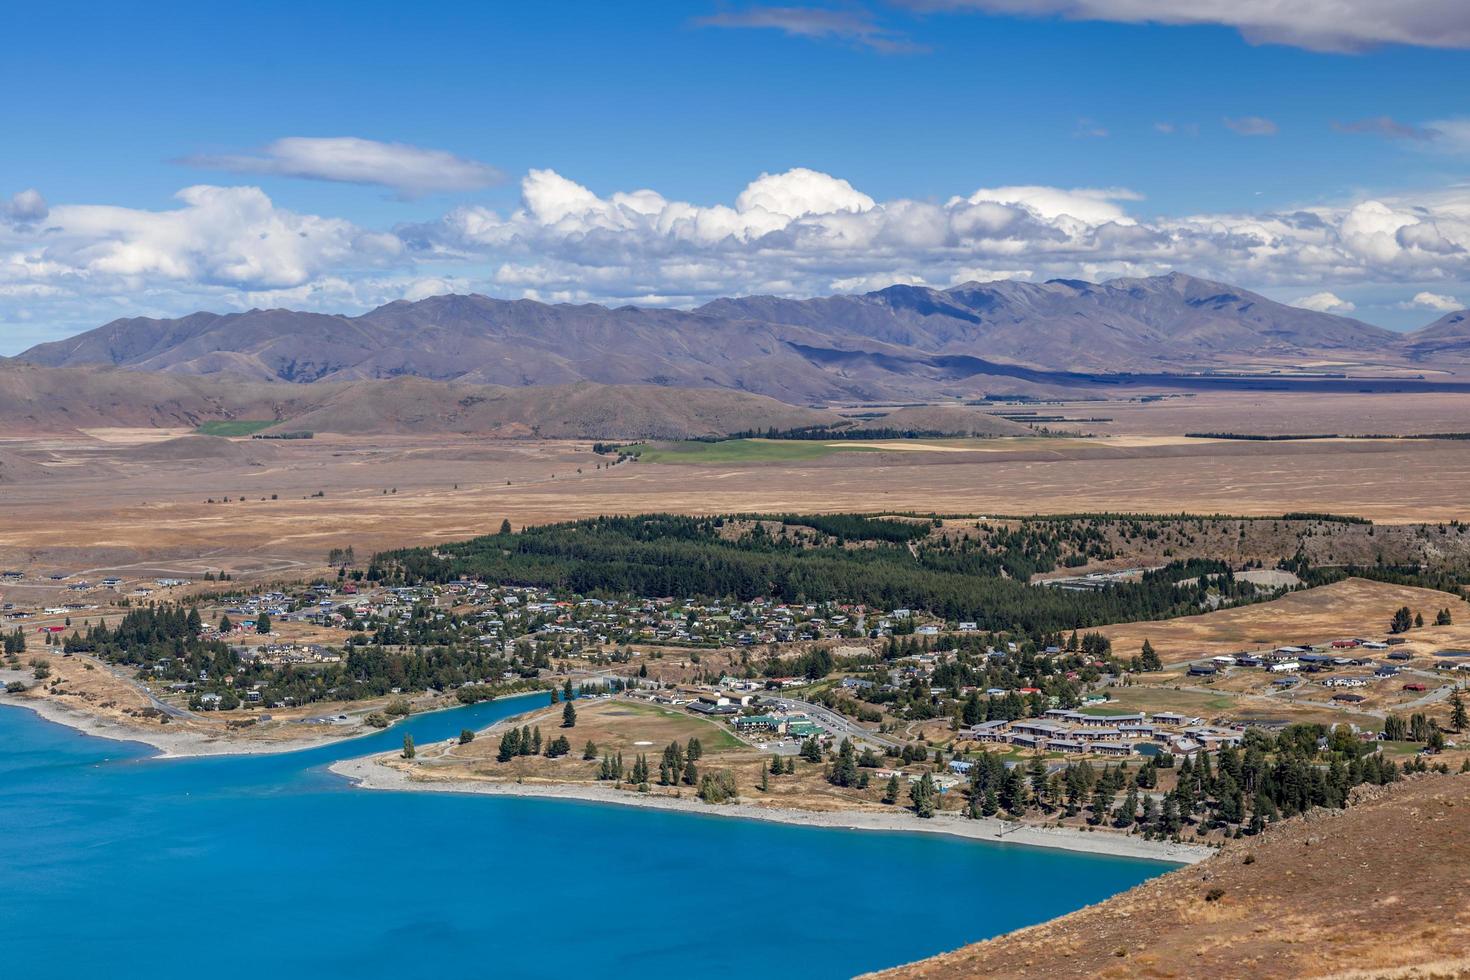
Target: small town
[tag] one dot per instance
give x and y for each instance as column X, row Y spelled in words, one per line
column 778, row 674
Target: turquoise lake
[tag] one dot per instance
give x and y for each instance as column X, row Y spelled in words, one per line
column 116, row 864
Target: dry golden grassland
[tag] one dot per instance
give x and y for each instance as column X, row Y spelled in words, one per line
column 121, row 496
column 1372, row 891
column 1343, row 610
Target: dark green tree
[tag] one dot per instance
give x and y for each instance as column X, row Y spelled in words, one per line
column 924, row 797
column 1402, row 620
column 1459, row 718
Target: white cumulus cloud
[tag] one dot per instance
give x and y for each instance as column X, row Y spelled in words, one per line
column 226, row 246
column 1425, row 300
column 800, row 232
column 1324, row 302
column 24, row 208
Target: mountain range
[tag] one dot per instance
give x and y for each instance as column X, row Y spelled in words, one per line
column 904, row 342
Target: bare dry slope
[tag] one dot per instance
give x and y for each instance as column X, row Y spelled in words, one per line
column 1339, row 610
column 1376, row 890
column 54, row 400
column 576, row 411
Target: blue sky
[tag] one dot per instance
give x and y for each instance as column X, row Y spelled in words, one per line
column 914, row 123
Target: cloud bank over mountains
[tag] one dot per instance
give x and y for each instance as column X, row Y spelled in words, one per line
column 796, row 233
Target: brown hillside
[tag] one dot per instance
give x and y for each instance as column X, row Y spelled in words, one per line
column 1376, row 890
column 1340, row 610
column 575, row 411
column 56, row 400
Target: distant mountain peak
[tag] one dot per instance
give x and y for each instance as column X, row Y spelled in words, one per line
column 900, row 341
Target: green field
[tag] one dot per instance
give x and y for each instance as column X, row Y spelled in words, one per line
column 717, row 739
column 743, row 451
column 234, row 427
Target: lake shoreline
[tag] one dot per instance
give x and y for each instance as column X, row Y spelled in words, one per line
column 169, row 744
column 181, row 744
column 365, row 772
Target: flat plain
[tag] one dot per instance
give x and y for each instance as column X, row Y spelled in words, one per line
column 102, row 499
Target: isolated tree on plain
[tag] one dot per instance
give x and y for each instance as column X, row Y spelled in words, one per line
column 1150, row 659
column 569, row 716
column 890, row 792
column 408, row 750
column 1444, row 618
column 466, row 736
column 1402, row 620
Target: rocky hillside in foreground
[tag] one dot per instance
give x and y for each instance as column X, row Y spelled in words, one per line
column 1376, row 890
column 53, row 400
column 903, row 341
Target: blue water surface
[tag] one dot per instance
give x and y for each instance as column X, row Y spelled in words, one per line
column 117, row 864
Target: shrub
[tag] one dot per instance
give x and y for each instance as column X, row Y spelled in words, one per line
column 717, row 787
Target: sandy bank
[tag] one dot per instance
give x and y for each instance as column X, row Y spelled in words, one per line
column 177, row 744
column 367, row 773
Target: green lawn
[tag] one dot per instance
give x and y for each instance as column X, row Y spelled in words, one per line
column 234, row 427
column 718, row 739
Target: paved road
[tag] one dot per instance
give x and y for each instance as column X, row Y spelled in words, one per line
column 835, row 722
column 123, row 674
